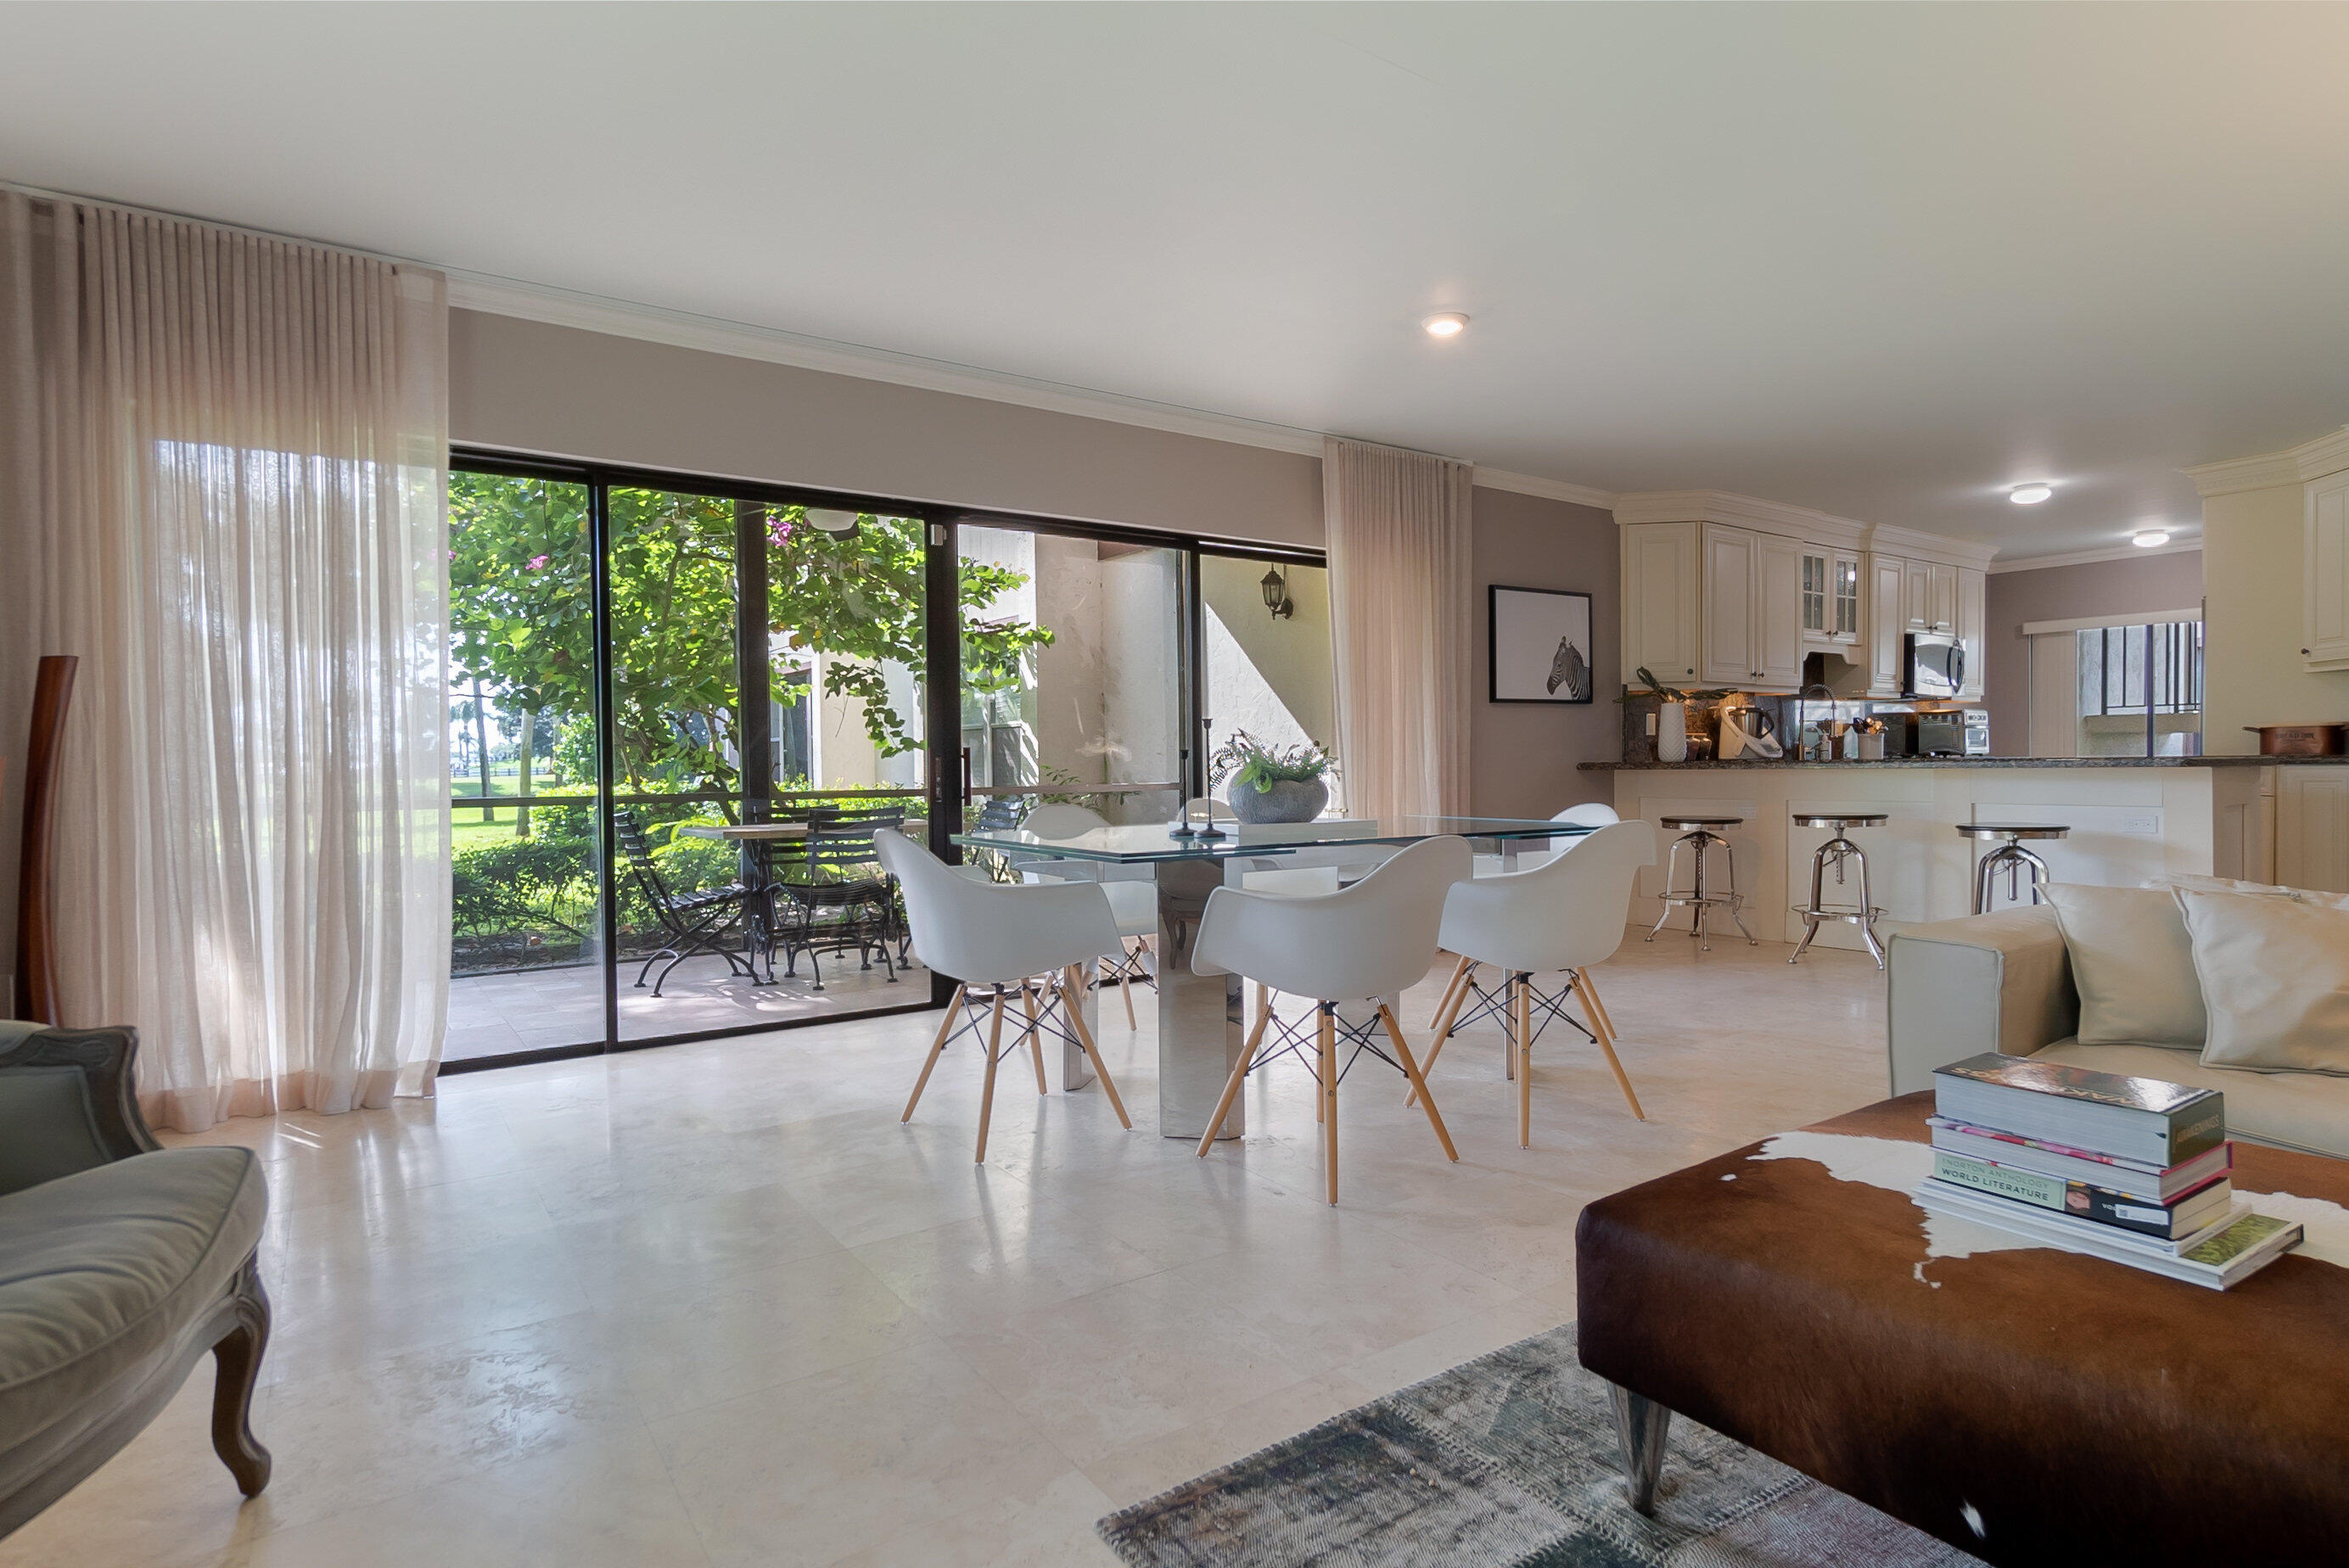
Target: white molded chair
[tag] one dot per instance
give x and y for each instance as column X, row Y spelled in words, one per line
column 1369, row 940
column 1032, row 940
column 1566, row 915
column 1133, row 896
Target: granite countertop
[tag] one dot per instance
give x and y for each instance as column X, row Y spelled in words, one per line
column 1977, row 762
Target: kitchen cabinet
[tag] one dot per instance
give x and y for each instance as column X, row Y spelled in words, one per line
column 1660, row 595
column 1752, row 612
column 1831, row 596
column 2312, row 843
column 2325, row 613
column 1887, row 623
column 1778, row 612
column 1731, row 568
column 1929, row 597
column 1973, row 594
column 1941, row 595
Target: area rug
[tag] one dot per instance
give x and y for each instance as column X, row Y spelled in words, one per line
column 1511, row 1461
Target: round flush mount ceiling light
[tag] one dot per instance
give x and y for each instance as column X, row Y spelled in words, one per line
column 1445, row 323
column 2150, row 538
column 828, row 521
column 2030, row 495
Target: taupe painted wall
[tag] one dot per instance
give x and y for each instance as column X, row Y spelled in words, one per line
column 2137, row 585
column 2252, row 665
column 565, row 392
column 1523, row 756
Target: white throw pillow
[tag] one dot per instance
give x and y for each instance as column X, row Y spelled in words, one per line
column 2232, row 884
column 2276, row 977
column 2133, row 966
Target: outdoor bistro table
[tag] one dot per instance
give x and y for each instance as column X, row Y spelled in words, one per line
column 1202, row 1019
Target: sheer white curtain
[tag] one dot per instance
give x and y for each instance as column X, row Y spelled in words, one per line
column 225, row 490
column 1400, row 584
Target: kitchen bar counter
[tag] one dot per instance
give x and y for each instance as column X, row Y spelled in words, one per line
column 1781, row 763
column 2131, row 819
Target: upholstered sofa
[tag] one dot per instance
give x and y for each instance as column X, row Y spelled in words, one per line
column 2002, row 982
column 122, row 1264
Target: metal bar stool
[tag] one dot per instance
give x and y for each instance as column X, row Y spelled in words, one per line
column 1834, row 852
column 2010, row 857
column 1699, row 835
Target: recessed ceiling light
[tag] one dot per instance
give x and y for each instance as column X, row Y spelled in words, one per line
column 1445, row 323
column 2030, row 495
column 2150, row 539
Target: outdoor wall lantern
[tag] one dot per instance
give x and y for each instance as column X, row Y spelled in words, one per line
column 1276, row 594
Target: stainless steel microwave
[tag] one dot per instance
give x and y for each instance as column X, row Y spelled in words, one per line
column 1935, row 666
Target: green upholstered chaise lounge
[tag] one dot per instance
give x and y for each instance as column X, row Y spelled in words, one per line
column 122, row 1264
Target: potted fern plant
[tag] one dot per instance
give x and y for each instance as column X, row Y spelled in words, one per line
column 1271, row 783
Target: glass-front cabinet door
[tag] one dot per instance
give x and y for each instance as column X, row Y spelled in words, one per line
column 1845, row 584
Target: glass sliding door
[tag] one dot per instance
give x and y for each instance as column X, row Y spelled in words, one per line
column 1266, row 655
column 527, row 963
column 680, row 709
column 1072, row 660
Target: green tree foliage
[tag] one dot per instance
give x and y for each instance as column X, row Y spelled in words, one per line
column 522, row 617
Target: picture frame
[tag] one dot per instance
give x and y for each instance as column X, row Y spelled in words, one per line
column 1537, row 647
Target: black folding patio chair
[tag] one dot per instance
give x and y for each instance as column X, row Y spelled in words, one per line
column 709, row 921
column 839, row 899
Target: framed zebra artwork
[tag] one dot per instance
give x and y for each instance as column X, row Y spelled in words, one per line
column 1539, row 642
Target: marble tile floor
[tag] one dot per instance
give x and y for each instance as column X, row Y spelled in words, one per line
column 713, row 1304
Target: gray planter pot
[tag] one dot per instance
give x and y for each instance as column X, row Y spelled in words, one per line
column 1285, row 801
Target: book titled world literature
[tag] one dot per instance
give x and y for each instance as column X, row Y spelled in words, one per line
column 2169, row 1222
column 2140, row 1119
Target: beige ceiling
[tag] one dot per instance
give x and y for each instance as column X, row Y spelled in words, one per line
column 1881, row 260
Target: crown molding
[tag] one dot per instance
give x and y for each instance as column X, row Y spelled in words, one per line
column 2176, row 546
column 1915, row 544
column 712, row 335
column 1739, row 511
column 1811, row 526
column 2294, row 465
column 1548, row 489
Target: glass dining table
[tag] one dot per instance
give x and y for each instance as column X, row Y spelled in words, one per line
column 1202, row 1019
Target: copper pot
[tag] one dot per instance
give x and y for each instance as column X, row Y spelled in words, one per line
column 2300, row 740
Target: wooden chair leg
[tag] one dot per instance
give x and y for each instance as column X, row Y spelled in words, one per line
column 1459, row 977
column 1418, row 1082
column 1035, row 1038
column 1447, row 1018
column 1590, row 994
column 237, row 1361
column 1527, row 1030
column 1263, row 1016
column 1328, row 1088
column 1072, row 997
column 986, row 1088
column 1125, row 988
column 1232, row 1087
column 1599, row 1026
column 937, row 1049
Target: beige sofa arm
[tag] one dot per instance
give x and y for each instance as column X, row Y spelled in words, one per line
column 1997, row 982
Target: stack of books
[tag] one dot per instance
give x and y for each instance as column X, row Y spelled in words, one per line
column 2129, row 1168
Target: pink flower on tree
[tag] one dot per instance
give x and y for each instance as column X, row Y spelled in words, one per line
column 779, row 530
column 537, row 562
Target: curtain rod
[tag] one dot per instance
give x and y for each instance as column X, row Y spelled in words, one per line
column 43, row 194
